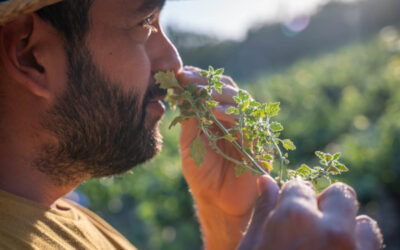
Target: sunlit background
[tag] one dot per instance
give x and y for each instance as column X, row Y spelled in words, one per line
column 231, row 19
column 335, row 68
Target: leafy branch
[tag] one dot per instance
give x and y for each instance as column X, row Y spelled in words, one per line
column 254, row 133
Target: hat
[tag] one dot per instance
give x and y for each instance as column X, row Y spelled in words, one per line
column 11, row 9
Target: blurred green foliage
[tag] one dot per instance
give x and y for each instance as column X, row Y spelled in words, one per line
column 347, row 101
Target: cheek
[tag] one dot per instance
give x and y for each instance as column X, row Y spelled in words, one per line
column 123, row 61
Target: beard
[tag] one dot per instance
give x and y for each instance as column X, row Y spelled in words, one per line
column 100, row 129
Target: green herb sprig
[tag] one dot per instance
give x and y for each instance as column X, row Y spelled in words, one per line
column 255, row 134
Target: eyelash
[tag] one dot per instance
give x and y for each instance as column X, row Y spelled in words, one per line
column 147, row 23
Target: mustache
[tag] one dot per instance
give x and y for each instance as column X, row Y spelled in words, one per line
column 154, row 91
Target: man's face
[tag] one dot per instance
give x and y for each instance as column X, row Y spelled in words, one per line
column 106, row 119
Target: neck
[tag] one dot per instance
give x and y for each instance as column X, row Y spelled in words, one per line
column 19, row 177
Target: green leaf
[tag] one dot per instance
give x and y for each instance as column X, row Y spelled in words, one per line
column 322, row 183
column 219, row 71
column 245, row 105
column 288, row 144
column 333, row 170
column 218, row 87
column 230, row 110
column 304, row 169
column 204, row 73
column 320, row 154
column 198, row 150
column 166, row 80
column 323, row 162
column 241, row 95
column 341, row 167
column 239, row 170
column 237, row 99
column 272, row 109
column 211, row 69
column 176, row 120
column 267, row 165
column 276, row 127
column 328, row 157
column 267, row 157
column 191, row 88
column 336, row 156
column 229, row 137
column 211, row 104
column 258, row 113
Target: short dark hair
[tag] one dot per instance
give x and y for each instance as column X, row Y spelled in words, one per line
column 69, row 17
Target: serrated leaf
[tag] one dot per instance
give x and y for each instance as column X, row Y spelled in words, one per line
column 166, row 79
column 328, row 157
column 276, row 127
column 241, row 95
column 336, row 156
column 211, row 104
column 204, row 73
column 267, row 165
column 239, row 171
column 218, row 87
column 304, row 170
column 342, row 167
column 211, row 69
column 267, row 157
column 322, row 183
column 219, row 71
column 245, row 105
column 323, row 162
column 272, row 109
column 176, row 120
column 203, row 93
column 237, row 99
column 288, row 144
column 230, row 110
column 320, row 154
column 333, row 170
column 198, row 150
column 258, row 113
column 229, row 137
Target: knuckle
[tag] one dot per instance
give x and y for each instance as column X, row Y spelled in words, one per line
column 343, row 189
column 339, row 237
column 296, row 211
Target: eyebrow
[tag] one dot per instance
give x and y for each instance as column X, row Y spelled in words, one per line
column 150, row 5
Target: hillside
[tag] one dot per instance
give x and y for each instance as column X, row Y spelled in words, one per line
column 273, row 47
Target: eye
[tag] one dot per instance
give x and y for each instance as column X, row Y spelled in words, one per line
column 147, row 23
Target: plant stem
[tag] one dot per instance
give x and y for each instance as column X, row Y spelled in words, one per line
column 237, row 146
column 281, row 162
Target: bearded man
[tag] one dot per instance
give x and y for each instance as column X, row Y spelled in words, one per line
column 78, row 101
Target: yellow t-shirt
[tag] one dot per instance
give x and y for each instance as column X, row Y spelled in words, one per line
column 25, row 224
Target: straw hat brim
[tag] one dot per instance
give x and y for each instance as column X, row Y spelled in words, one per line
column 11, row 9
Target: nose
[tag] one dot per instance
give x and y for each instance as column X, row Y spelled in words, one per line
column 163, row 54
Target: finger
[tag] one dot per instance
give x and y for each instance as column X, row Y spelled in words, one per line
column 368, row 234
column 298, row 190
column 268, row 190
column 338, row 203
column 227, row 80
column 189, row 75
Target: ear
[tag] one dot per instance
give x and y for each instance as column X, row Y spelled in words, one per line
column 20, row 54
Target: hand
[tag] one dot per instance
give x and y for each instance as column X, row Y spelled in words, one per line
column 219, row 195
column 296, row 218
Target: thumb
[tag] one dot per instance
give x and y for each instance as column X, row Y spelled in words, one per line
column 268, row 190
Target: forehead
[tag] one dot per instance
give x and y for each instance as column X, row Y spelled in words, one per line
column 123, row 8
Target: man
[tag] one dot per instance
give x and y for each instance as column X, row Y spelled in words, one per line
column 78, row 101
